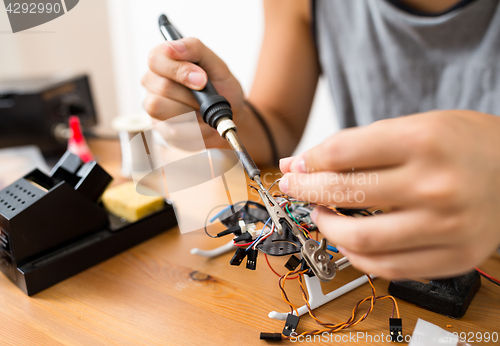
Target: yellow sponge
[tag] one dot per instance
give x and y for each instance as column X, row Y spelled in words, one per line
column 124, row 201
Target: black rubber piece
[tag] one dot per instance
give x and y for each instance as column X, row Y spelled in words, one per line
column 449, row 297
column 270, row 336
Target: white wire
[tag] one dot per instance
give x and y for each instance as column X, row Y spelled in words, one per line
column 258, row 242
column 270, row 187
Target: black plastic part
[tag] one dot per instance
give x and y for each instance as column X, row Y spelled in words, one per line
column 280, row 245
column 51, row 230
column 238, row 257
column 449, row 297
column 252, row 259
column 236, row 230
column 65, row 169
column 396, row 329
column 247, row 214
column 244, row 237
column 291, row 323
column 270, row 336
column 305, row 266
column 93, row 180
column 292, row 263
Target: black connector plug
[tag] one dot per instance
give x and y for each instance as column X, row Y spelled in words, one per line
column 238, row 257
column 292, row 263
column 270, row 336
column 291, row 324
column 244, row 237
column 396, row 329
column 252, row 259
column 236, row 230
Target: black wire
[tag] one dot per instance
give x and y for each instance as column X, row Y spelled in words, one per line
column 487, row 278
column 208, row 216
column 272, row 143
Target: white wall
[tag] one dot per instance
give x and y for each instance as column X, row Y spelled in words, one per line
column 232, row 29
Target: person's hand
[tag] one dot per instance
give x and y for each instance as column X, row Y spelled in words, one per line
column 439, row 172
column 174, row 67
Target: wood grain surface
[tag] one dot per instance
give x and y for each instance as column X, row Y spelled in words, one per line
column 157, row 293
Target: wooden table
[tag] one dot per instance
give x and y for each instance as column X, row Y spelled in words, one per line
column 149, row 296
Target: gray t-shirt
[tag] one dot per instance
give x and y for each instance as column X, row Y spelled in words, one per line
column 383, row 62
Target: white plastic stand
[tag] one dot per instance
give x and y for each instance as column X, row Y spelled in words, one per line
column 214, row 252
column 316, row 296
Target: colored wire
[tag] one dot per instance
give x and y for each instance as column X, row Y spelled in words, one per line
column 260, row 235
column 352, row 321
column 274, row 271
column 488, row 277
column 206, row 220
column 265, row 237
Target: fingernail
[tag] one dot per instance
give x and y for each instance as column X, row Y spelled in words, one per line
column 298, row 165
column 341, row 250
column 285, row 162
column 196, row 79
column 178, row 46
column 284, row 184
column 314, row 214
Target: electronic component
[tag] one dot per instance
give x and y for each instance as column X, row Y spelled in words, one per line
column 280, row 244
column 316, row 255
column 238, row 257
column 270, row 336
column 291, row 323
column 36, row 110
column 292, row 263
column 450, row 297
column 244, row 237
column 252, row 259
column 396, row 329
column 236, row 230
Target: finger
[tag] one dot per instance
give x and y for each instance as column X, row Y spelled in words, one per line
column 386, row 187
column 163, row 108
column 396, row 231
column 414, row 264
column 193, row 50
column 182, row 72
column 168, row 88
column 285, row 164
column 381, row 144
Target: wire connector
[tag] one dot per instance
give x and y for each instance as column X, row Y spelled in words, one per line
column 396, row 329
column 291, row 323
column 238, row 257
column 244, row 237
column 252, row 259
column 292, row 263
column 249, row 227
column 270, row 336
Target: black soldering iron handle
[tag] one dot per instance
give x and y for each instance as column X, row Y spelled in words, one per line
column 213, row 107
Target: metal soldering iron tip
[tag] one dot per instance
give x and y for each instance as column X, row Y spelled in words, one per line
column 259, row 182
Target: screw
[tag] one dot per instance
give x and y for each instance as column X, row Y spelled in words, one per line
column 321, row 257
column 311, row 247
